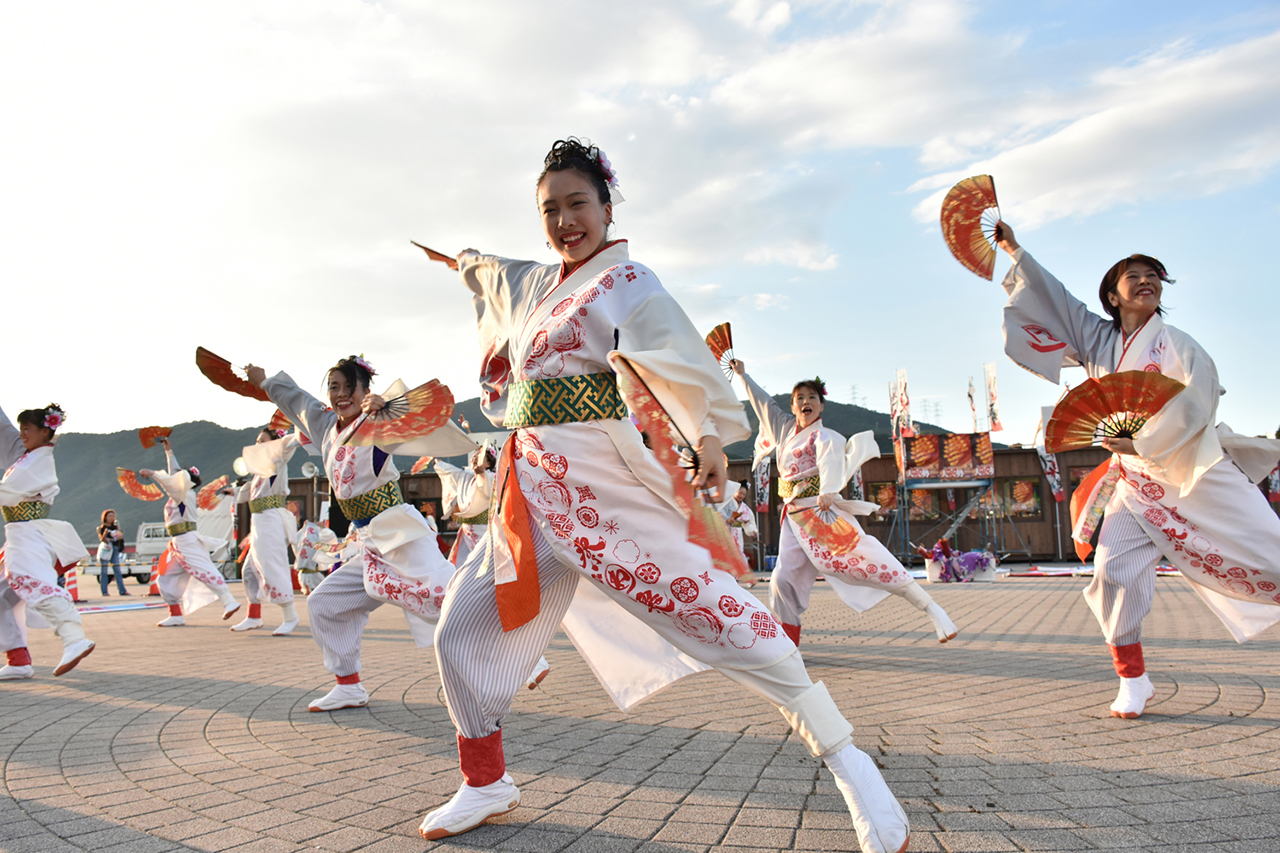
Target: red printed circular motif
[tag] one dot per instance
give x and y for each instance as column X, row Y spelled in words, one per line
column 730, row 606
column 526, row 440
column 649, row 573
column 531, row 458
column 684, row 589
column 438, row 601
column 1155, row 516
column 1154, row 491
column 555, row 465
column 588, row 517
column 340, row 454
column 1266, row 586
column 766, row 627
column 1237, row 572
column 561, row 307
column 539, row 347
column 1213, row 559
column 619, row 578
column 582, row 312
column 553, row 496
column 1237, row 586
column 701, row 623
column 741, row 636
column 607, row 282
column 886, row 577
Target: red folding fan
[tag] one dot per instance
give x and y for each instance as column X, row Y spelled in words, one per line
column 452, row 263
column 1115, row 406
column 832, row 532
column 414, row 414
column 128, row 481
column 148, row 435
column 969, row 216
column 221, row 373
column 207, row 498
column 721, row 343
column 421, row 464
column 279, row 423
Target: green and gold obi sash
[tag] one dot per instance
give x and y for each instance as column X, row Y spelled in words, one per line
column 366, row 506
column 265, row 503
column 482, row 518
column 180, row 528
column 796, row 489
column 564, row 400
column 26, row 511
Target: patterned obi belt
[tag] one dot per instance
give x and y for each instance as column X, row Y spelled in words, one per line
column 265, row 503
column 482, row 518
column 26, row 511
column 733, row 522
column 180, row 528
column 363, row 508
column 564, row 400
column 796, row 489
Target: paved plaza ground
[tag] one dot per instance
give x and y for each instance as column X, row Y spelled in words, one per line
column 196, row 738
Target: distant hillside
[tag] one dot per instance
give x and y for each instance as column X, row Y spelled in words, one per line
column 87, row 462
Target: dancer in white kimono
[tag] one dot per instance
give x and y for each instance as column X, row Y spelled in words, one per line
column 820, row 536
column 738, row 516
column 272, row 529
column 466, row 496
column 35, row 545
column 583, row 509
column 397, row 559
column 189, row 551
column 1180, row 487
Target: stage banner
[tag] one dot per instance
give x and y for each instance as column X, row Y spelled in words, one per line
column 952, row 456
column 1049, row 463
column 993, row 407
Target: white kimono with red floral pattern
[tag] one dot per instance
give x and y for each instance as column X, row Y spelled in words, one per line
column 190, row 550
column 868, row 573
column 272, row 531
column 464, row 495
column 33, row 549
column 1190, row 487
column 596, row 494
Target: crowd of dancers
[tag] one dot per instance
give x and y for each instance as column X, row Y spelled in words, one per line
column 574, row 523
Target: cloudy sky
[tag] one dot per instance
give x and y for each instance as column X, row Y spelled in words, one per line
column 247, row 176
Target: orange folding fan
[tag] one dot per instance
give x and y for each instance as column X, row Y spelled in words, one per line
column 1115, row 406
column 148, row 435
column 721, row 343
column 421, row 464
column 220, row 372
column 969, row 216
column 414, row 414
column 128, row 481
column 207, row 497
column 278, row 422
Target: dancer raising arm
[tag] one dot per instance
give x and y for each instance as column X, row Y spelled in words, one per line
column 191, row 557
column 34, row 544
column 272, row 528
column 398, row 559
column 582, row 503
column 814, row 464
column 1178, row 488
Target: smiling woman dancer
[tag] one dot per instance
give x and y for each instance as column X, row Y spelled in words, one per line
column 1174, row 488
column 814, row 464
column 581, row 500
column 398, row 559
column 192, row 557
column 35, row 544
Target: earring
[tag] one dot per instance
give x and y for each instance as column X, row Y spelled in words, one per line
column 548, row 244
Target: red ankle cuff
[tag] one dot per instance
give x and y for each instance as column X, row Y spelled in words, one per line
column 353, row 678
column 481, row 759
column 19, row 657
column 792, row 631
column 255, row 611
column 1128, row 660
column 175, row 609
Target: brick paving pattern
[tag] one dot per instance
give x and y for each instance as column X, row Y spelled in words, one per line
column 198, row 739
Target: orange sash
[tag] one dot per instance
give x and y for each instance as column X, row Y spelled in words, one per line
column 1079, row 500
column 521, row 599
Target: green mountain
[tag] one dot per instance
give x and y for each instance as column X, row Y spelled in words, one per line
column 87, row 462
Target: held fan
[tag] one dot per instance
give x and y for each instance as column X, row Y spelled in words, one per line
column 421, row 464
column 207, row 498
column 721, row 343
column 128, row 481
column 432, row 254
column 220, row 372
column 279, row 423
column 411, row 415
column 969, row 216
column 148, row 435
column 1115, row 406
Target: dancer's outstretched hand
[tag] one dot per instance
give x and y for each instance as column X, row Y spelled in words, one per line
column 739, row 367
column 255, row 374
column 1005, row 239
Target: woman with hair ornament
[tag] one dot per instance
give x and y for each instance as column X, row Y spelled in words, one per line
column 35, row 546
column 190, row 553
column 1181, row 488
column 820, row 536
column 394, row 555
column 272, row 528
column 585, row 519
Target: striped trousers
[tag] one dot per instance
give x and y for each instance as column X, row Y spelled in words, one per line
column 1124, row 577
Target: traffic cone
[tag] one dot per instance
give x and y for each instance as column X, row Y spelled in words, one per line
column 72, row 587
column 155, row 577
